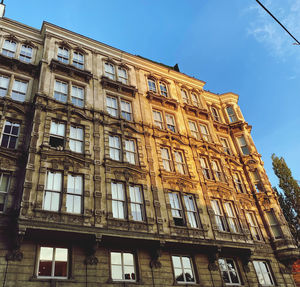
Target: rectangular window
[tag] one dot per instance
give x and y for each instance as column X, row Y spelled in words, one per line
column 9, row 48
column 254, row 229
column 165, row 156
column 274, row 224
column 243, row 145
column 195, row 100
column 4, row 82
column 130, row 151
column 217, row 170
column 10, row 135
column 57, row 135
column 225, row 146
column 122, row 266
column 4, row 184
column 118, row 200
column 176, row 209
column 152, row 85
column 77, row 96
column 63, row 55
column 74, row 194
column 53, row 191
column 19, row 90
column 183, row 269
column 163, row 89
column 136, row 202
column 231, row 114
column 112, row 106
column 191, row 210
column 126, row 112
column 180, row 162
column 215, row 114
column 170, row 121
column 114, row 148
column 263, row 273
column 204, row 132
column 194, row 129
column 53, row 262
column 158, row 119
column 122, row 76
column 231, row 217
column 109, row 71
column 219, row 217
column 26, row 54
column 205, row 168
column 78, row 60
column 76, row 139
column 60, row 91
column 229, row 271
column 238, row 183
column 184, row 96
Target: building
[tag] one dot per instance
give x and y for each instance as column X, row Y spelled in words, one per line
column 119, row 171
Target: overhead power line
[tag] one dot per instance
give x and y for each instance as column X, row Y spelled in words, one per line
column 297, row 42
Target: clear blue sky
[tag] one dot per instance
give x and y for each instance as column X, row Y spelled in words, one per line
column 233, row 45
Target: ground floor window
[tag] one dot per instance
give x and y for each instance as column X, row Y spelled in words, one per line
column 183, row 269
column 263, row 272
column 122, row 266
column 229, row 271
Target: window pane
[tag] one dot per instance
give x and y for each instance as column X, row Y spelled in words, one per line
column 115, row 258
column 46, row 253
column 116, row 272
column 176, row 261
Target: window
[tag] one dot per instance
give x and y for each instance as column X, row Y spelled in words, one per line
column 238, row 183
column 122, row 75
column 215, row 114
column 184, row 96
column 263, row 273
column 195, row 100
column 192, row 214
column 176, row 209
column 53, row 191
column 274, row 224
column 118, row 200
column 122, row 266
column 130, row 151
column 243, row 145
column 254, row 229
column 26, row 54
column 204, row 132
column 136, row 202
column 231, row 217
column 61, row 91
column 57, row 135
column 205, row 168
column 76, row 139
column 165, row 155
column 229, row 271
column 78, row 60
column 170, row 121
column 217, row 170
column 4, row 184
column 225, row 145
column 158, row 119
column 63, row 55
column 163, row 89
column 74, row 194
column 152, row 85
column 4, row 82
column 114, row 148
column 257, row 182
column 126, row 110
column 219, row 217
column 112, row 106
column 180, row 162
column 10, row 135
column 9, row 48
column 183, row 270
column 77, row 96
column 53, row 262
column 19, row 90
column 231, row 114
column 194, row 129
column 109, row 71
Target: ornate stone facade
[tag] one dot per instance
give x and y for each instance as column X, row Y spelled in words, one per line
column 118, row 171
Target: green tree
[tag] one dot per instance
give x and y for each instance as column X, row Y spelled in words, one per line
column 290, row 198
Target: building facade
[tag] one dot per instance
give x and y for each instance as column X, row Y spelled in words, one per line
column 119, row 171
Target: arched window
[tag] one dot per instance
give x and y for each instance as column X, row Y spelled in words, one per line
column 151, row 85
column 26, row 53
column 122, row 75
column 195, row 100
column 9, row 48
column 110, row 71
column 63, row 55
column 78, row 60
column 215, row 114
column 231, row 114
column 184, row 96
column 163, row 89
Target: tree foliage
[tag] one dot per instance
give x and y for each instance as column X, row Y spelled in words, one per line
column 290, row 198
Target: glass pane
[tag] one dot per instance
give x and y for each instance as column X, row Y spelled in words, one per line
column 4, row 183
column 57, row 182
column 176, row 261
column 186, row 263
column 77, row 204
column 60, row 269
column 45, row 268
column 46, row 253
column 116, row 272
column 61, row 254
column 115, row 258
column 128, row 259
column 54, row 201
column 129, row 273
column 69, row 203
column 178, row 275
column 47, row 201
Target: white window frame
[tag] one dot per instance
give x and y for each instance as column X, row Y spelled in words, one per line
column 123, row 78
column 253, row 225
column 158, row 120
column 167, row 160
column 194, row 129
column 274, row 224
column 55, row 133
column 180, row 162
column 26, row 53
column 77, row 96
column 225, row 145
column 231, row 217
column 74, row 192
column 136, row 202
column 176, row 209
column 243, row 145
column 195, row 100
column 130, row 152
column 19, row 90
column 126, row 110
column 114, row 143
column 170, row 122
column 78, row 60
column 205, row 132
column 63, row 55
column 50, row 189
column 10, row 134
column 228, row 270
column 215, row 164
column 152, row 87
column 119, row 210
column 264, row 277
column 205, row 168
column 110, row 72
column 123, row 267
column 238, row 182
column 191, row 210
column 7, row 51
column 60, row 92
column 215, row 114
column 4, row 84
column 231, row 114
column 77, row 140
column 183, row 269
column 163, row 89
column 219, row 215
column 4, row 189
column 185, row 96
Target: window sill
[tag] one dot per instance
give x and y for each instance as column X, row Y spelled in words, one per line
column 124, row 282
column 39, row 279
